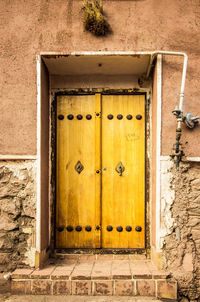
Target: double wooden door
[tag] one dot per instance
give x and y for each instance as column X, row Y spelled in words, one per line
column 100, row 191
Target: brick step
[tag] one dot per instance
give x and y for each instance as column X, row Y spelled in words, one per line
column 50, row 298
column 95, row 277
column 152, row 288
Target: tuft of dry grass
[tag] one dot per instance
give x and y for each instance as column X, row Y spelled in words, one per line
column 94, row 19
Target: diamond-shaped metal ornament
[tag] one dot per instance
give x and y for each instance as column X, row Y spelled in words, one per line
column 79, row 167
column 120, row 168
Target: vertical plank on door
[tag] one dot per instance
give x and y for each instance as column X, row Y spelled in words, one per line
column 98, row 167
column 77, row 194
column 123, row 197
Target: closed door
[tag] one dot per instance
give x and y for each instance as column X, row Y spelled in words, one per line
column 100, row 171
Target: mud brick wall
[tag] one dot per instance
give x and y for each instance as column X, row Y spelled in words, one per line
column 182, row 245
column 17, row 214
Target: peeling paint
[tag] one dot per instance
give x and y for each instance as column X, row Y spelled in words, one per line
column 167, row 199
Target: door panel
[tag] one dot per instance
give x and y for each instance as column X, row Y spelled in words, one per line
column 123, row 197
column 97, row 195
column 78, row 192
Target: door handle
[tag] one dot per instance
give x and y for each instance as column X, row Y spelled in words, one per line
column 120, row 168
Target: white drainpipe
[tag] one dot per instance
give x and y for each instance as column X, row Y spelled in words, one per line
column 173, row 53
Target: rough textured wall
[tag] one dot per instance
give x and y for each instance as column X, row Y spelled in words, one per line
column 182, row 244
column 17, row 214
column 167, row 195
column 30, row 27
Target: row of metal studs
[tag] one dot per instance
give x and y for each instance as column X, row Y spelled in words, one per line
column 89, row 228
column 89, row 117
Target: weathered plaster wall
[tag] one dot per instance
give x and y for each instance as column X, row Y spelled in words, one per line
column 30, row 27
column 17, row 214
column 167, row 195
column 181, row 226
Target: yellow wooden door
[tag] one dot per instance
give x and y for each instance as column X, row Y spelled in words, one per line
column 100, row 171
column 78, row 184
column 123, row 192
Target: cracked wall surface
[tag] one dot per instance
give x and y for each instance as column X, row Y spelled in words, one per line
column 167, row 198
column 181, row 246
column 17, row 214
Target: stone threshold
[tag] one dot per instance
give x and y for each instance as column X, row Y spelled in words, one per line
column 94, row 277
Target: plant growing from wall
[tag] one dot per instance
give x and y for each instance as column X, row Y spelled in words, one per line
column 94, row 19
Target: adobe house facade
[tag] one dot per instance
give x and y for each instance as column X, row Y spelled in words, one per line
column 46, row 55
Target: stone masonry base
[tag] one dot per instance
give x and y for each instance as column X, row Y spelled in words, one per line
column 151, row 288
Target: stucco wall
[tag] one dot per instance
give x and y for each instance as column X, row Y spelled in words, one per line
column 31, row 27
column 172, row 72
